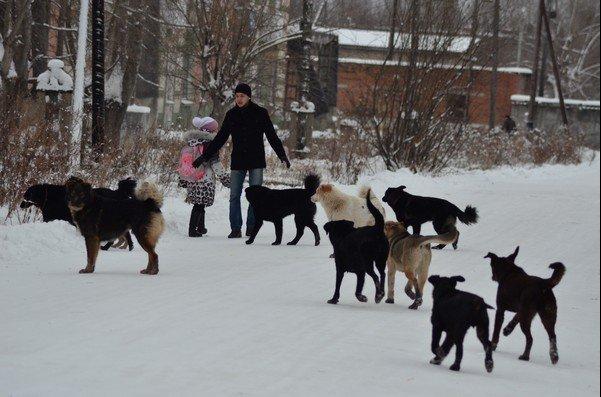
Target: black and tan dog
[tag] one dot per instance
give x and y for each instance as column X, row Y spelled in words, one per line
column 102, row 219
column 416, row 210
column 454, row 313
column 411, row 255
column 51, row 200
column 273, row 205
column 526, row 296
column 356, row 251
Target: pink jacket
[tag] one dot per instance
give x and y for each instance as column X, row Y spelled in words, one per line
column 186, row 171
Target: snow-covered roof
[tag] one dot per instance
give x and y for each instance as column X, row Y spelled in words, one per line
column 379, row 39
column 380, row 62
column 55, row 78
column 138, row 109
column 580, row 103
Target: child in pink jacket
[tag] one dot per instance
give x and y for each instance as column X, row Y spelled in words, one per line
column 200, row 182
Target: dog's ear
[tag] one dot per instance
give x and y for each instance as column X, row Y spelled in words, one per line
column 433, row 279
column 514, row 255
column 458, row 279
column 327, row 227
column 402, row 187
column 490, row 255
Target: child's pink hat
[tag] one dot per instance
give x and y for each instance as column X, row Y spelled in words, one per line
column 205, row 123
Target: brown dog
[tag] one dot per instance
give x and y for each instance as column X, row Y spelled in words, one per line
column 411, row 255
column 103, row 219
column 527, row 296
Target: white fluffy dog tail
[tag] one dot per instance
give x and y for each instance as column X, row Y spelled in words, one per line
column 149, row 191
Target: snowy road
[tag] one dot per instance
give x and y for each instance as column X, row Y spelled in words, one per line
column 223, row 319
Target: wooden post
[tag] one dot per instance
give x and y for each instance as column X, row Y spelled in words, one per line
column 562, row 104
column 534, row 78
column 494, row 83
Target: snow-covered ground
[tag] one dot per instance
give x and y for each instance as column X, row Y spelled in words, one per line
column 224, row 319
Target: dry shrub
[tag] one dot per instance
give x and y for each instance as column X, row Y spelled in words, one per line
column 483, row 149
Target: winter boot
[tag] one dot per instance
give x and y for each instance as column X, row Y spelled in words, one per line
column 193, row 225
column 235, row 234
column 200, row 227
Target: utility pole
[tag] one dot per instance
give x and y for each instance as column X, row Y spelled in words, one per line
column 97, row 78
column 494, row 83
column 305, row 109
column 534, row 78
column 393, row 23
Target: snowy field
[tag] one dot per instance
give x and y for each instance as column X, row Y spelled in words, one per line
column 224, row 319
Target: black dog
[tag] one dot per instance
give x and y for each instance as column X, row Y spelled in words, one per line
column 527, row 296
column 455, row 312
column 102, row 219
column 51, row 200
column 274, row 205
column 356, row 250
column 416, row 210
column 125, row 190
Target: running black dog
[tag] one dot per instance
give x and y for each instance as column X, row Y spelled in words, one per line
column 416, row 210
column 455, row 312
column 356, row 250
column 274, row 205
column 526, row 296
column 51, row 200
column 103, row 219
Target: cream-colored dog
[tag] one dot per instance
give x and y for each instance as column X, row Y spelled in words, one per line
column 411, row 255
column 340, row 206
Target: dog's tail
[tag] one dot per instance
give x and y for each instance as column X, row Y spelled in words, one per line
column 148, row 191
column 469, row 216
column 375, row 212
column 559, row 270
column 312, row 182
column 446, row 238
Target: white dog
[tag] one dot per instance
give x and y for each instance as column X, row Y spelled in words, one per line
column 340, row 206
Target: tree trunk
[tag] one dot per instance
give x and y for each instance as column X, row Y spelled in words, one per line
column 41, row 18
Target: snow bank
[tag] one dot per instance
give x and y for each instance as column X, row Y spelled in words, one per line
column 138, row 109
column 579, row 103
column 55, row 78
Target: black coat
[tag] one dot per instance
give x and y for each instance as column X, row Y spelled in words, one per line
column 247, row 126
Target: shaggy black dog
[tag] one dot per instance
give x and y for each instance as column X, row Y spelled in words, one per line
column 274, row 205
column 51, row 200
column 356, row 250
column 526, row 296
column 455, row 312
column 103, row 219
column 416, row 210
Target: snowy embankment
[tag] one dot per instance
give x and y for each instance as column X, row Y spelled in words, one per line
column 226, row 319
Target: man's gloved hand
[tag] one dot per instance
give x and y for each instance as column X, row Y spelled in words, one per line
column 286, row 163
column 199, row 161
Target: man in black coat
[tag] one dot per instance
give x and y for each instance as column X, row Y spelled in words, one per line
column 247, row 123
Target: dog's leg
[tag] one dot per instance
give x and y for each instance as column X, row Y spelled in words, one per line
column 379, row 290
column 255, row 231
column 107, row 246
column 511, row 325
column 482, row 332
column 436, row 335
column 130, row 243
column 443, row 351
column 92, row 247
column 122, row 243
column 526, row 325
column 315, row 231
column 458, row 353
column 418, row 295
column 439, row 227
column 153, row 259
column 499, row 318
column 381, row 266
column 279, row 231
column 409, row 290
column 417, row 229
column 549, row 317
column 391, row 279
column 300, row 230
column 339, row 276
column 456, row 243
column 359, row 290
